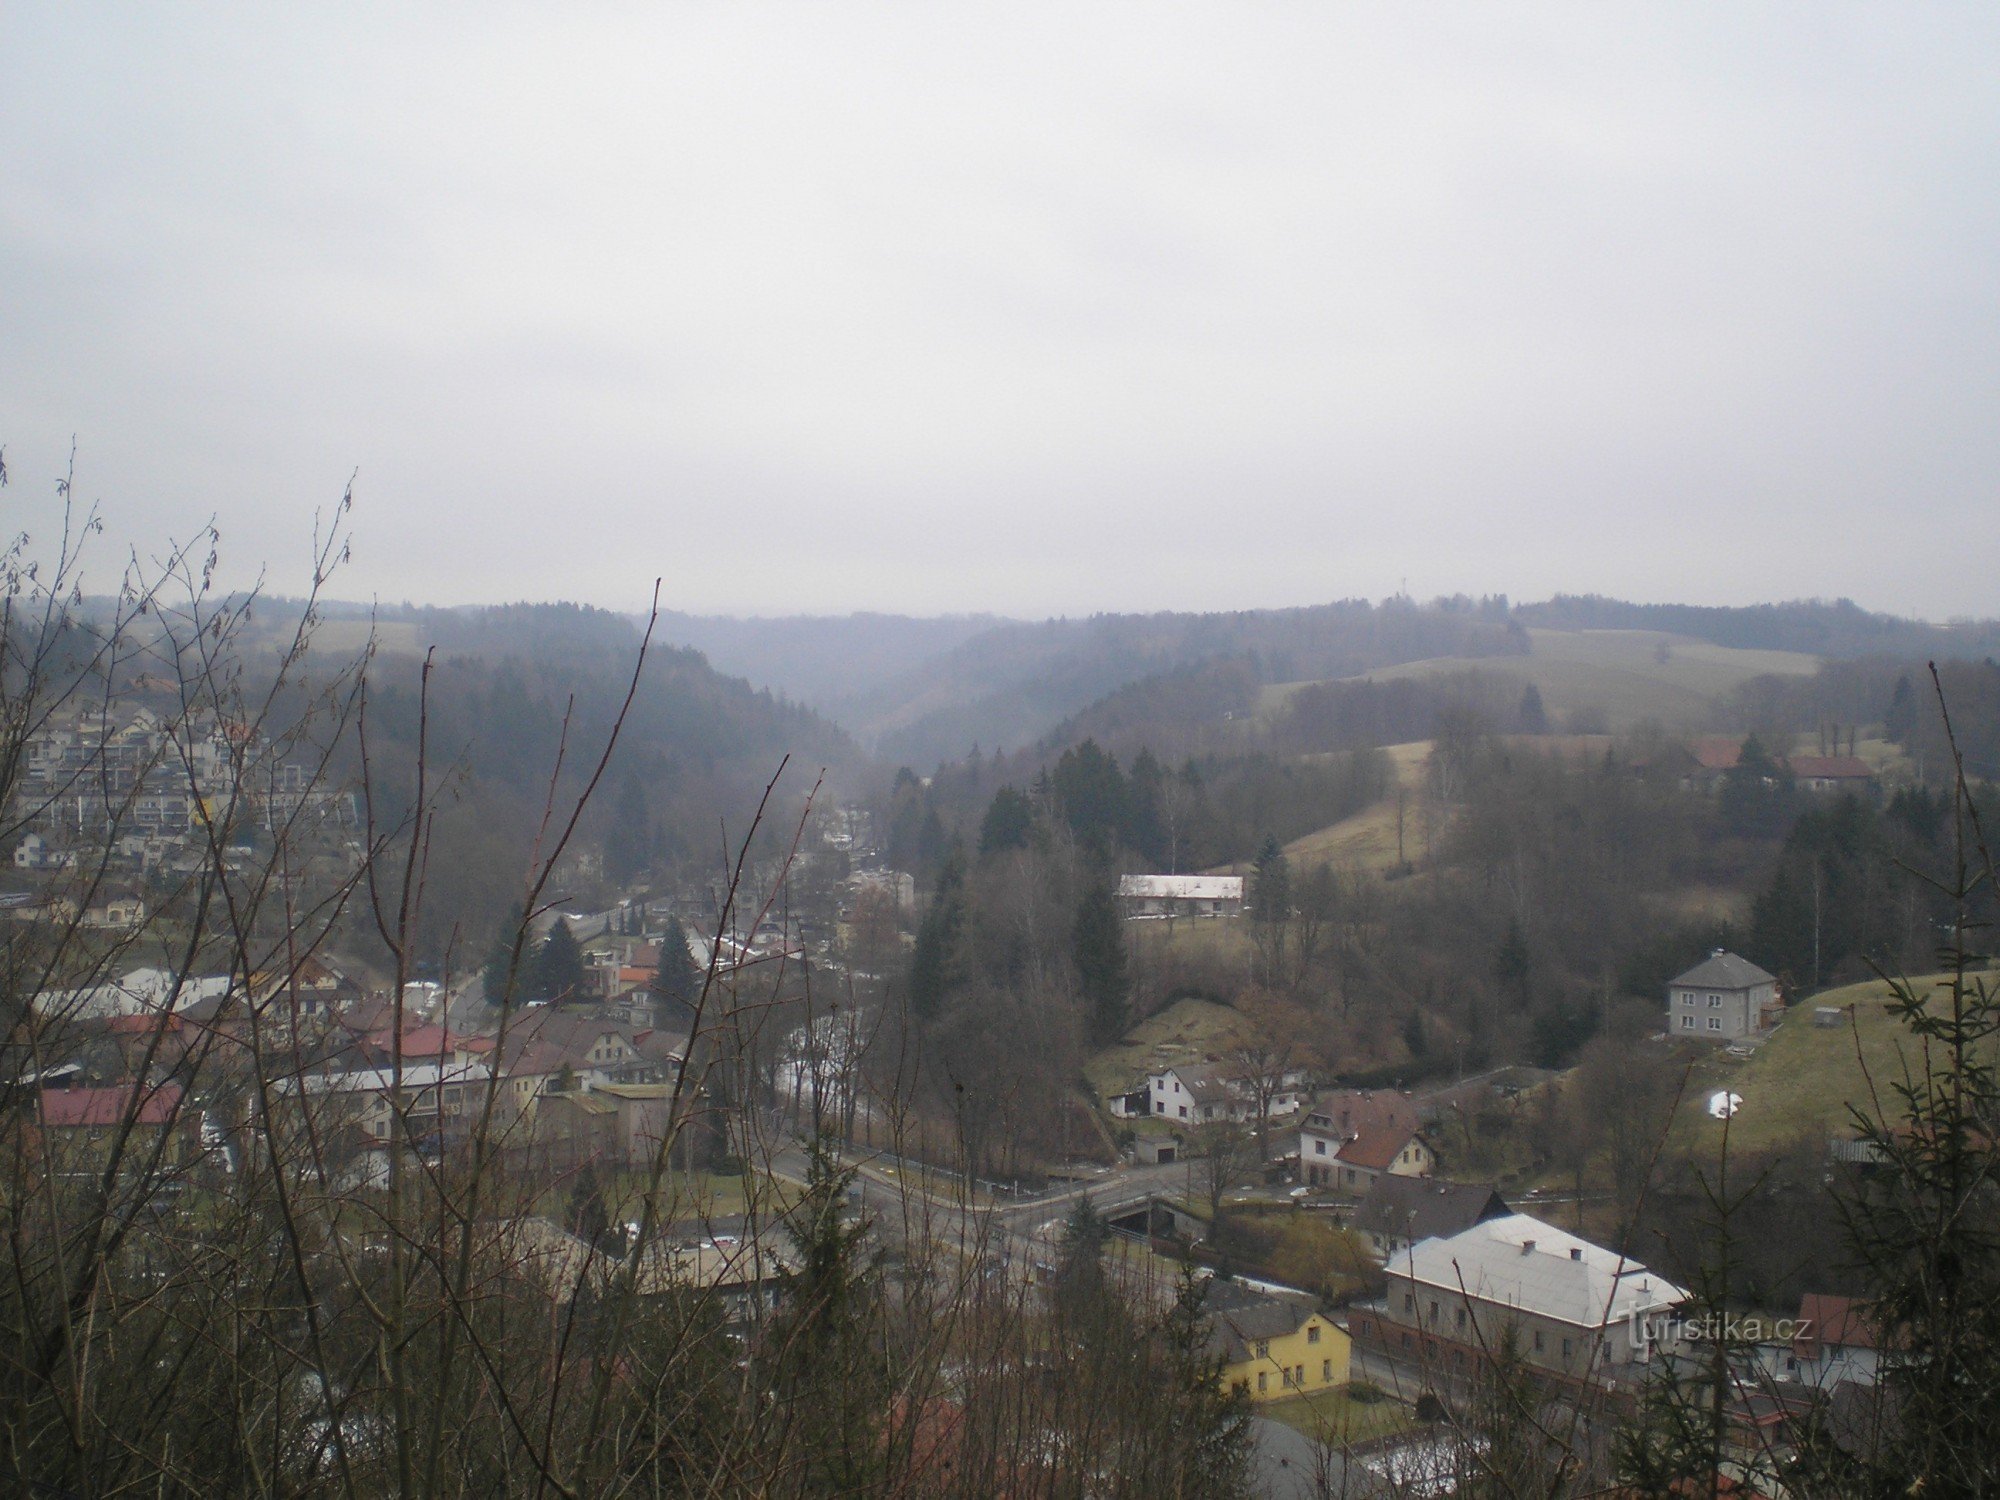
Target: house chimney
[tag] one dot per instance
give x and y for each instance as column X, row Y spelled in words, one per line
column 1527, row 1247
column 1576, row 1252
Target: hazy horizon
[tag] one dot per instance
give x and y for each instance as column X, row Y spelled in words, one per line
column 1031, row 311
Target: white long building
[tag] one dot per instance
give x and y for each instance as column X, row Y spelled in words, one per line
column 1181, row 895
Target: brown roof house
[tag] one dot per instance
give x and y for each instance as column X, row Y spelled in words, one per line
column 1351, row 1138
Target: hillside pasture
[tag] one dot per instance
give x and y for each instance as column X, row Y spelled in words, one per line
column 1800, row 1083
column 1622, row 676
column 1367, row 840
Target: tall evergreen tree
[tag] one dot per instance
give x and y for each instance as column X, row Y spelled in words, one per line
column 1010, row 818
column 1271, row 883
column 497, row 974
column 558, row 972
column 1092, row 794
column 628, row 840
column 677, row 981
column 1533, row 718
column 937, row 962
column 1097, row 945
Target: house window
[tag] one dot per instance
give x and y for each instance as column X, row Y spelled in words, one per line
column 1263, row 1348
column 1715, row 1023
column 1687, row 1023
column 1325, row 1370
column 1409, row 1303
column 1538, row 1341
column 1434, row 1310
column 1567, row 1348
column 1263, row 1381
column 1715, row 1002
column 1312, row 1333
column 1460, row 1317
column 1319, row 1148
column 1183, row 1111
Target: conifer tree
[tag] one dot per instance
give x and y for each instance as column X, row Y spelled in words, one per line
column 1097, row 945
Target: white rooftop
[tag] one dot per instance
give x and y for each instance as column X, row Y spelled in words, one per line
column 1523, row 1263
column 1184, row 887
column 382, row 1080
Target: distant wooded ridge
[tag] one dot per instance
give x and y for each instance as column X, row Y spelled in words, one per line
column 922, row 690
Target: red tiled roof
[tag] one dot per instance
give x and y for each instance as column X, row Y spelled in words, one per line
column 418, row 1041
column 1373, row 1127
column 1833, row 1320
column 108, row 1106
column 1716, row 752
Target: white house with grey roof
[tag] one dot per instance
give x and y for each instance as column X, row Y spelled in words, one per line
column 1723, row 998
column 1574, row 1308
column 1181, row 895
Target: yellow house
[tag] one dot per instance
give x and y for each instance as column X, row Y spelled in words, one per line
column 1273, row 1347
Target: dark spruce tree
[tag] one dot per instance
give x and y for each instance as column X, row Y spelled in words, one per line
column 937, row 961
column 1271, row 883
column 678, row 979
column 1097, row 945
column 503, row 984
column 1009, row 820
column 558, row 972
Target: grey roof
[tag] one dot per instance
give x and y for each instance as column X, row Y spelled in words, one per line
column 1523, row 1263
column 1239, row 1317
column 1724, row 971
column 1420, row 1208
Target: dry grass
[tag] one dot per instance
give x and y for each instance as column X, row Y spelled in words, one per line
column 1802, row 1080
column 1367, row 840
column 1185, row 1032
column 1615, row 673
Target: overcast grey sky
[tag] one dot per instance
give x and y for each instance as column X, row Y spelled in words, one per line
column 1024, row 308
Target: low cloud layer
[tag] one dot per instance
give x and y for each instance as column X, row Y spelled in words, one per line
column 1029, row 309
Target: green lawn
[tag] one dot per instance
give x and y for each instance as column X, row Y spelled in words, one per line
column 1334, row 1417
column 1802, row 1079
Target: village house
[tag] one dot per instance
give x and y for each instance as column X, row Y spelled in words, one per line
column 1399, row 1212
column 433, row 1100
column 1162, row 896
column 1836, row 1343
column 80, row 1125
column 745, row 1274
column 1724, row 998
column 616, row 1124
column 1572, row 1308
column 1205, row 1093
column 1351, row 1138
column 1273, row 1347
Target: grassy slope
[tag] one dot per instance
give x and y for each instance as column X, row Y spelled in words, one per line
column 1615, row 671
column 1367, row 840
column 1801, row 1081
column 1186, row 1031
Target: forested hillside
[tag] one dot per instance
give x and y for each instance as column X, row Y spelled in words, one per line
column 518, row 689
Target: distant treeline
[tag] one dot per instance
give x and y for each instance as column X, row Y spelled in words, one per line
column 1015, row 683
